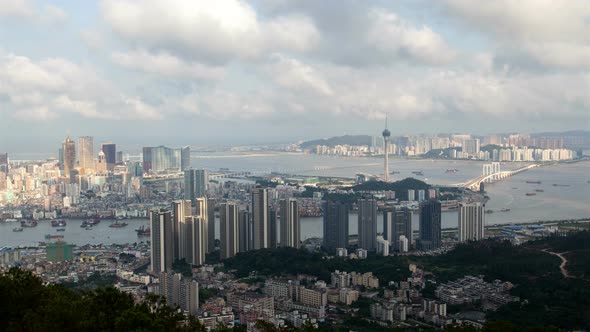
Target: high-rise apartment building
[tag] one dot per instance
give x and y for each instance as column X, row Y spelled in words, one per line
column 272, row 227
column 179, row 291
column 195, row 183
column 245, row 231
column 101, row 163
column 4, row 162
column 228, row 224
column 202, row 210
column 182, row 233
column 198, row 240
column 69, row 156
column 162, row 240
column 110, row 152
column 367, row 224
column 211, row 204
column 290, row 229
column 471, row 221
column 260, row 218
column 86, row 154
column 185, row 158
column 430, row 225
column 471, row 146
column 335, row 225
column 397, row 222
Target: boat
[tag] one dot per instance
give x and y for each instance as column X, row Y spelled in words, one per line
column 89, row 227
column 143, row 231
column 84, row 224
column 93, row 221
column 61, row 229
column 28, row 223
column 58, row 223
column 560, row 185
column 530, row 194
column 514, row 188
column 539, row 190
column 14, row 220
column 505, row 210
column 489, row 211
column 452, row 170
column 118, row 224
column 17, row 229
column 534, row 182
column 56, row 236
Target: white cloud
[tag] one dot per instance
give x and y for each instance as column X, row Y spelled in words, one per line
column 25, row 9
column 292, row 73
column 92, row 38
column 49, row 88
column 553, row 32
column 16, row 8
column 215, row 31
column 165, row 64
column 394, row 35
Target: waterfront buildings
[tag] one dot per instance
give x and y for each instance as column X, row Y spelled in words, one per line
column 430, row 225
column 260, row 218
column 195, row 183
column 290, row 228
column 397, row 222
column 162, row 240
column 471, row 146
column 228, row 232
column 335, row 225
column 471, row 221
column 367, row 224
column 86, row 154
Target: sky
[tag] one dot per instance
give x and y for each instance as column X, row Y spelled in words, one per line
column 192, row 72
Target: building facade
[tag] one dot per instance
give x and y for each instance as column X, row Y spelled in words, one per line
column 290, row 227
column 367, row 224
column 335, row 225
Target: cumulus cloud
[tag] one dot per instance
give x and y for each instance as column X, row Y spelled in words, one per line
column 393, row 35
column 553, row 32
column 50, row 88
column 292, row 73
column 25, row 9
column 213, row 31
column 165, row 64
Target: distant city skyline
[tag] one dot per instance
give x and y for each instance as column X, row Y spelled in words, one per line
column 449, row 66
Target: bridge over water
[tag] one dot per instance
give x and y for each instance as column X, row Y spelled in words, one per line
column 487, row 177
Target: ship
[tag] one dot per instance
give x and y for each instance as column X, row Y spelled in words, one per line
column 28, row 223
column 530, row 194
column 143, row 231
column 57, row 236
column 418, row 173
column 489, row 211
column 58, row 223
column 17, row 229
column 539, row 190
column 84, row 224
column 534, row 182
column 89, row 227
column 452, row 170
column 505, row 210
column 14, row 220
column 61, row 229
column 117, row 224
column 93, row 221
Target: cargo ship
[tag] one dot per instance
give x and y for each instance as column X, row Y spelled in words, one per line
column 534, row 182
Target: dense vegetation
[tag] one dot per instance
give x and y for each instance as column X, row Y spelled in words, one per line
column 339, row 140
column 282, row 261
column 28, row 305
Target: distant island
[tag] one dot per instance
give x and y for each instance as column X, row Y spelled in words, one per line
column 338, row 140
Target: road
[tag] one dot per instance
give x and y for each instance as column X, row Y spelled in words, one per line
column 563, row 262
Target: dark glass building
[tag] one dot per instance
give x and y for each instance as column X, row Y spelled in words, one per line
column 335, row 225
column 430, row 225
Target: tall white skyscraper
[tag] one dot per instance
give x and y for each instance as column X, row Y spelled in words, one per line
column 86, row 154
column 198, row 240
column 260, row 218
column 202, row 211
column 290, row 230
column 182, row 232
column 471, row 221
column 162, row 240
